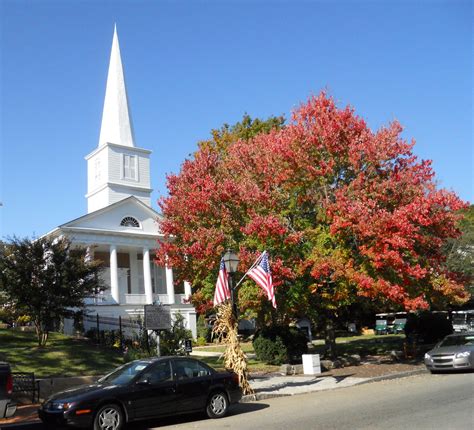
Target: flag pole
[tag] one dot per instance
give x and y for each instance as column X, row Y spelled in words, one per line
column 259, row 258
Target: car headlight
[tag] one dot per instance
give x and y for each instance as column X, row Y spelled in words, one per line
column 427, row 356
column 60, row 406
column 463, row 354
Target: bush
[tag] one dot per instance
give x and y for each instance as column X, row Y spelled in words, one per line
column 23, row 320
column 280, row 344
column 172, row 341
column 427, row 327
column 200, row 341
column 203, row 329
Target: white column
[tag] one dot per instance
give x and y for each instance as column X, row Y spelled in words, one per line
column 147, row 276
column 170, row 285
column 187, row 289
column 114, row 287
column 89, row 254
column 134, row 271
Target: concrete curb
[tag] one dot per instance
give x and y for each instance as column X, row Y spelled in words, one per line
column 394, row 376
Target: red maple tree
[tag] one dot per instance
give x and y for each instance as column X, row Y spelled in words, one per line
column 344, row 212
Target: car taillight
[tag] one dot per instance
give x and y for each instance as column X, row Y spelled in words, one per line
column 9, row 384
column 235, row 378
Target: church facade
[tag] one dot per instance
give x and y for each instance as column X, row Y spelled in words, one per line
column 120, row 227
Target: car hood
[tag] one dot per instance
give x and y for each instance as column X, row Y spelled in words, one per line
column 82, row 392
column 451, row 349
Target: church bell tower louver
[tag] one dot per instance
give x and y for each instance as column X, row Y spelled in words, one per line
column 117, row 169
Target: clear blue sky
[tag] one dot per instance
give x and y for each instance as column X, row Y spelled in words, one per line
column 191, row 66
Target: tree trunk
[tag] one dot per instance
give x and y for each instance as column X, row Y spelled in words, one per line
column 41, row 333
column 330, row 336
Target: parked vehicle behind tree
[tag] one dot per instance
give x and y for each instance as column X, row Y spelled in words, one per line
column 7, row 405
column 462, row 320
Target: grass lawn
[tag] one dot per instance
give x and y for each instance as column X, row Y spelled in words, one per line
column 68, row 356
column 246, row 347
column 362, row 345
column 62, row 356
column 253, row 364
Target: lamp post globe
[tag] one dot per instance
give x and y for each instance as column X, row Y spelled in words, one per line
column 231, row 261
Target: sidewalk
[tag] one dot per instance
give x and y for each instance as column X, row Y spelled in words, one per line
column 275, row 385
column 268, row 386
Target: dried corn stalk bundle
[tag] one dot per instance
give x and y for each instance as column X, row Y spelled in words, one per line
column 225, row 329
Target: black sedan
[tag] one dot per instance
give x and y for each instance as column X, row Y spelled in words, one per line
column 144, row 389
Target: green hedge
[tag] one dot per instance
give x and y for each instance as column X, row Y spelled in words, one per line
column 280, row 344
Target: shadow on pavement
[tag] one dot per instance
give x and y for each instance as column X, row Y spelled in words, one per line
column 238, row 409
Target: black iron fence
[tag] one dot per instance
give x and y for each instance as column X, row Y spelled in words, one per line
column 114, row 332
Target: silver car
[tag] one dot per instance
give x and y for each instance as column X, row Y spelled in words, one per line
column 454, row 352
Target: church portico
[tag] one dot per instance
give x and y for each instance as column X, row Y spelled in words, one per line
column 129, row 273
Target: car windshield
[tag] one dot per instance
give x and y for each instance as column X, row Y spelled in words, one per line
column 124, row 373
column 458, row 341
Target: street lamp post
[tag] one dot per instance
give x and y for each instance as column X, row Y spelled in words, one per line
column 231, row 262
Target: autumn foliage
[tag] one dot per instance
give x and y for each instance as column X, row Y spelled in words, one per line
column 345, row 212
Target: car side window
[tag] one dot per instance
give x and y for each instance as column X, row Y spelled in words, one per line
column 186, row 369
column 160, row 372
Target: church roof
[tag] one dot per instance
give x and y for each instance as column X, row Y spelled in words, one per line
column 115, row 219
column 116, row 120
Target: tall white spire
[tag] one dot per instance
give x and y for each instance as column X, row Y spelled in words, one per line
column 116, row 121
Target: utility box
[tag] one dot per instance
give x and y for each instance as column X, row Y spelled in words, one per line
column 311, row 364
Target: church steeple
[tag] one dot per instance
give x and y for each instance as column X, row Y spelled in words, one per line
column 117, row 169
column 116, row 121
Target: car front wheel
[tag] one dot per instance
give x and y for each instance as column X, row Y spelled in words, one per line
column 108, row 417
column 217, row 405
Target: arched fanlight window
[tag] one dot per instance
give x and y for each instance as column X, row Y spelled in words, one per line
column 129, row 221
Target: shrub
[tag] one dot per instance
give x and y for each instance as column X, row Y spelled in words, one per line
column 203, row 329
column 23, row 320
column 172, row 341
column 135, row 354
column 279, row 344
column 200, row 341
column 427, row 327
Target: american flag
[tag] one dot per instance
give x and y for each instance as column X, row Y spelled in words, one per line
column 222, row 292
column 262, row 276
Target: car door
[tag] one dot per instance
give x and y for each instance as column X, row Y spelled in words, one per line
column 193, row 380
column 154, row 392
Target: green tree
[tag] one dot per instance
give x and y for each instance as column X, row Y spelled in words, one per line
column 460, row 252
column 46, row 278
column 246, row 129
column 172, row 341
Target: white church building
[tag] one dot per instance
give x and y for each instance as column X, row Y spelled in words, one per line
column 120, row 227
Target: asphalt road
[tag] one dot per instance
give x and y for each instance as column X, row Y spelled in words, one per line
column 419, row 402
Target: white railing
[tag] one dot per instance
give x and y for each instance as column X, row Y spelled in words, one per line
column 100, row 299
column 134, row 299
